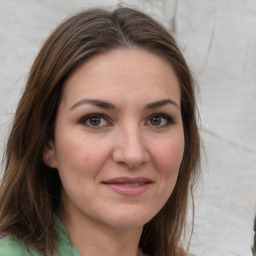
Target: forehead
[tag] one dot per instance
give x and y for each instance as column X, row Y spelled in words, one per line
column 128, row 72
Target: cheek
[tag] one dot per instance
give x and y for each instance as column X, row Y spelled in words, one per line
column 78, row 155
column 167, row 160
column 169, row 156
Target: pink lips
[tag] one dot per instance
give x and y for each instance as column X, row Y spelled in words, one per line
column 128, row 186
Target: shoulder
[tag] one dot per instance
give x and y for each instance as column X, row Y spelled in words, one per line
column 11, row 246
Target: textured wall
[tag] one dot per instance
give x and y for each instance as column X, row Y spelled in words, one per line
column 219, row 40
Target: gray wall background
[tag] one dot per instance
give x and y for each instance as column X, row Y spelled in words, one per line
column 218, row 38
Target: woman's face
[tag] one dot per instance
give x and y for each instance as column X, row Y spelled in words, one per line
column 119, row 138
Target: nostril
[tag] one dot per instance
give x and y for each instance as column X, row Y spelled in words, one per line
column 131, row 156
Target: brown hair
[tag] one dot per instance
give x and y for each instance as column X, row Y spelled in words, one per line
column 30, row 191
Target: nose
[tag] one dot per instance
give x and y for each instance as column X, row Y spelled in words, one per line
column 130, row 148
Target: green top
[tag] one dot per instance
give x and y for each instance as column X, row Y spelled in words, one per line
column 11, row 246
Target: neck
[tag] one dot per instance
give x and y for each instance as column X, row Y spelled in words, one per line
column 96, row 239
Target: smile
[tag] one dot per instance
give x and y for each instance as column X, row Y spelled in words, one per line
column 133, row 184
column 129, row 186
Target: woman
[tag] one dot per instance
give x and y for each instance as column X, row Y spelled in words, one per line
column 104, row 147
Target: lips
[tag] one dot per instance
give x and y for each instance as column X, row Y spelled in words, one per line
column 128, row 186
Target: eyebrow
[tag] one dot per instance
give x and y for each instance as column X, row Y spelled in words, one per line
column 97, row 103
column 161, row 103
column 107, row 105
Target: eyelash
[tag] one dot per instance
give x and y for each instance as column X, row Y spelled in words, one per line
column 169, row 120
column 95, row 115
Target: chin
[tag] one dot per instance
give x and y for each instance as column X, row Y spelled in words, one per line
column 129, row 220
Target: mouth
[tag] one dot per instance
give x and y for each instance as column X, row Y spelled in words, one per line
column 128, row 186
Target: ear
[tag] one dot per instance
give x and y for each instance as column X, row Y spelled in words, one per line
column 49, row 155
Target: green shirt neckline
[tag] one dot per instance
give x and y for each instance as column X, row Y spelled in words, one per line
column 64, row 242
column 11, row 246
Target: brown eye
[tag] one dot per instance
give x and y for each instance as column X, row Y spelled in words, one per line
column 95, row 121
column 156, row 120
column 160, row 120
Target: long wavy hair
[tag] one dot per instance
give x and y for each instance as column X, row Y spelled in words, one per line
column 30, row 191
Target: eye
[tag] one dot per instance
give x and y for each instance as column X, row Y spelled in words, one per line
column 95, row 120
column 160, row 120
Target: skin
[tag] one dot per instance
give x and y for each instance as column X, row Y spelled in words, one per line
column 128, row 139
